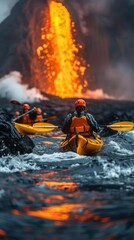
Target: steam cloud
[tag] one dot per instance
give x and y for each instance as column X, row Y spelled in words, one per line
column 120, row 78
column 5, row 8
column 11, row 88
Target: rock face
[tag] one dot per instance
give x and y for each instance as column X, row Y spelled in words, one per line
column 106, row 34
column 18, row 33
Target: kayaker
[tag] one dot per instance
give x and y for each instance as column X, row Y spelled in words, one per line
column 80, row 121
column 11, row 141
column 26, row 119
column 30, row 118
column 38, row 115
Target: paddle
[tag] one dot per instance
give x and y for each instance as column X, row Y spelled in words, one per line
column 46, row 119
column 31, row 110
column 45, row 125
column 48, row 126
column 16, row 102
column 122, row 126
column 119, row 126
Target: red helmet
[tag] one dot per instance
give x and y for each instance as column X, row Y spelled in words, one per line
column 26, row 107
column 80, row 103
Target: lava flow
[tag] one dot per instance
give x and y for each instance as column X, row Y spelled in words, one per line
column 63, row 69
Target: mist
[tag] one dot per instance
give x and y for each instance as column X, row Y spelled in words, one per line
column 5, row 8
column 12, row 88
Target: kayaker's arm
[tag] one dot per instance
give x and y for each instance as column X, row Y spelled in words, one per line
column 66, row 124
column 93, row 123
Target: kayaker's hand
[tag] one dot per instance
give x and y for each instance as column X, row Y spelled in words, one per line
column 35, row 109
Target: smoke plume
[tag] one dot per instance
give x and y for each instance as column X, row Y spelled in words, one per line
column 12, row 88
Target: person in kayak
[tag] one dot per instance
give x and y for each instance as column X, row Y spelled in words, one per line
column 80, row 121
column 26, row 119
column 30, row 118
column 38, row 115
column 11, row 141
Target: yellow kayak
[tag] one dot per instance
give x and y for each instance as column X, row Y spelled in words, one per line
column 31, row 130
column 82, row 145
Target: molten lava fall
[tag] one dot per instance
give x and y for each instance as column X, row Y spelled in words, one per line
column 63, row 68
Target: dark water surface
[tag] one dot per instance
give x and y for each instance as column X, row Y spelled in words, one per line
column 53, row 195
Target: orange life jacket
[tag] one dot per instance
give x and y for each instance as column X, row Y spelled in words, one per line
column 26, row 119
column 79, row 125
column 39, row 118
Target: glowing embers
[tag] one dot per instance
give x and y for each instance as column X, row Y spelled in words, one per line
column 63, row 71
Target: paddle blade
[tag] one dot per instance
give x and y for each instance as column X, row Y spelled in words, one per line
column 51, row 118
column 45, row 125
column 47, row 119
column 122, row 126
column 15, row 102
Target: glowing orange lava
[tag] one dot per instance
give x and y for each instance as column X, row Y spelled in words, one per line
column 63, row 70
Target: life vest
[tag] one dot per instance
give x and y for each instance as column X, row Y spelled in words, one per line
column 26, row 119
column 39, row 118
column 79, row 124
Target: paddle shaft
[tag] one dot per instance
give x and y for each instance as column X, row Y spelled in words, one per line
column 119, row 126
column 46, row 119
column 31, row 110
column 47, row 126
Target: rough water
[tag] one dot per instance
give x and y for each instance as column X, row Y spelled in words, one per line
column 53, row 195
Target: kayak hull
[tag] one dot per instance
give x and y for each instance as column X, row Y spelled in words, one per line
column 26, row 129
column 82, row 145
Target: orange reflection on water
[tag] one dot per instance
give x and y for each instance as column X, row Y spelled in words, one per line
column 65, row 211
column 43, row 175
column 2, row 232
column 61, row 185
column 60, row 212
column 47, row 142
column 54, row 199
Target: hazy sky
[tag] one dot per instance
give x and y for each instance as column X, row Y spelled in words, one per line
column 5, row 8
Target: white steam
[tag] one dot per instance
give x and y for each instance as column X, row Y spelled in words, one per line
column 5, row 8
column 101, row 8
column 120, row 81
column 97, row 94
column 12, row 88
column 98, row 6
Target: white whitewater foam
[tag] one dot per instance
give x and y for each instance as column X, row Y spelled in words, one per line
column 20, row 163
column 57, row 157
column 118, row 149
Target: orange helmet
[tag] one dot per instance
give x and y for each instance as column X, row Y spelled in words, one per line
column 26, row 107
column 16, row 114
column 80, row 103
